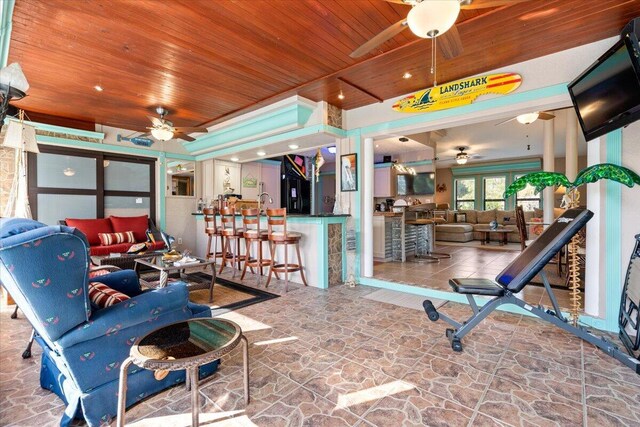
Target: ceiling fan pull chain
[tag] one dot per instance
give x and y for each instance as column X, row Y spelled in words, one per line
column 434, row 67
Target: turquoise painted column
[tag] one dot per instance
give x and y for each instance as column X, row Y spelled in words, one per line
column 162, row 194
column 613, row 231
column 6, row 16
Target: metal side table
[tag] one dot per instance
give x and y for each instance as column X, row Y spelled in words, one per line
column 184, row 345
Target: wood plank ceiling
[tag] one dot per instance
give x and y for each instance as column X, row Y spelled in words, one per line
column 207, row 61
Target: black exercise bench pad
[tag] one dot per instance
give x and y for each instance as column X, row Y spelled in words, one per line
column 477, row 287
column 530, row 262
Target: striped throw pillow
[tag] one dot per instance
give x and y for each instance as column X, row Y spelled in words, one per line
column 108, row 239
column 103, row 296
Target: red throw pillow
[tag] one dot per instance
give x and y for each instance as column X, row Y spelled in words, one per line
column 91, row 228
column 108, row 239
column 103, row 296
column 137, row 224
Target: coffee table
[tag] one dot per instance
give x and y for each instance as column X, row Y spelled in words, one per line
column 184, row 345
column 502, row 230
column 167, row 267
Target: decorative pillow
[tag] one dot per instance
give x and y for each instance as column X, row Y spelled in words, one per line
column 472, row 215
column 97, row 273
column 91, row 228
column 108, row 239
column 460, row 217
column 450, row 216
column 506, row 217
column 103, row 296
column 138, row 224
column 538, row 213
column 485, row 217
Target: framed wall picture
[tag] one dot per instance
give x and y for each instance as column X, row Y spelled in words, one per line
column 349, row 172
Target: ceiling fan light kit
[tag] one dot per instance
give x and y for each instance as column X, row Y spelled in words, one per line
column 462, row 157
column 432, row 18
column 528, row 118
column 162, row 134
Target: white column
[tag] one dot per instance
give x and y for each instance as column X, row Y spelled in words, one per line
column 595, row 279
column 367, row 208
column 571, row 144
column 548, row 164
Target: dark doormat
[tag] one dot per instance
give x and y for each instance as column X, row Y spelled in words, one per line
column 245, row 295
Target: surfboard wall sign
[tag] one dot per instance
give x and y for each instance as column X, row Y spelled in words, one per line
column 458, row 93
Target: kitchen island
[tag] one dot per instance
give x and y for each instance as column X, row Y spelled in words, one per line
column 322, row 247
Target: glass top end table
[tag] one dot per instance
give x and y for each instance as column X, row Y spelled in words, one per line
column 186, row 345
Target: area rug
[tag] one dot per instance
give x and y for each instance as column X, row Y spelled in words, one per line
column 227, row 295
column 402, row 299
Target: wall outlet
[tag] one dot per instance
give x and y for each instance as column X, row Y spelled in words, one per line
column 179, row 240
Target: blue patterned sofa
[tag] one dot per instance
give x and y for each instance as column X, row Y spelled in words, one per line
column 45, row 269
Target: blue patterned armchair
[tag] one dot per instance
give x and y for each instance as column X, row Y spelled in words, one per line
column 45, row 269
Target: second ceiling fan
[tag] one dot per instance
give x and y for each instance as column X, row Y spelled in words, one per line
column 163, row 129
column 430, row 19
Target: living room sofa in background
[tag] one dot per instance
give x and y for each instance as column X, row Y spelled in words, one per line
column 45, row 269
column 114, row 224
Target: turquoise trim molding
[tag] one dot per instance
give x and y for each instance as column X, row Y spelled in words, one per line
column 613, row 231
column 502, row 101
column 519, row 166
column 6, row 25
column 291, row 115
column 108, row 148
column 61, row 129
column 297, row 133
column 410, row 164
column 269, row 162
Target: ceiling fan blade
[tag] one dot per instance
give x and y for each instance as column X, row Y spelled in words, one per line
column 545, row 116
column 398, row 2
column 156, row 121
column 450, row 43
column 190, row 129
column 505, row 121
column 382, row 37
column 180, row 135
column 481, row 4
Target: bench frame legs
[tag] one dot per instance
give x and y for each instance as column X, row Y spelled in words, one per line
column 554, row 316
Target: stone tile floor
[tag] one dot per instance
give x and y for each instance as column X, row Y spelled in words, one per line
column 333, row 358
column 466, row 262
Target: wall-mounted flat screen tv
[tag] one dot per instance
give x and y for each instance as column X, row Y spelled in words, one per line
column 418, row 184
column 607, row 95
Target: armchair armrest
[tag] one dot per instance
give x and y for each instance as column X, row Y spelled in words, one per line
column 143, row 308
column 123, row 281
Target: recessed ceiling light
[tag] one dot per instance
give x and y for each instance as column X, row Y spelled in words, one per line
column 341, row 96
column 98, row 88
column 407, row 75
column 261, row 153
column 332, row 149
column 294, row 146
column 234, row 159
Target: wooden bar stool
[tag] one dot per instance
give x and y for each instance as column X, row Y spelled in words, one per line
column 213, row 232
column 230, row 234
column 278, row 218
column 253, row 234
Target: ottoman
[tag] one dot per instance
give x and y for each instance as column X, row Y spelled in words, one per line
column 454, row 232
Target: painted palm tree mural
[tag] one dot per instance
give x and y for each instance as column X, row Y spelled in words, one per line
column 571, row 199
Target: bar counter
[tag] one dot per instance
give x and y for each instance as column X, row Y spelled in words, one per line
column 322, row 247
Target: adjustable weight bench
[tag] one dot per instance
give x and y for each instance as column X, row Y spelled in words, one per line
column 515, row 277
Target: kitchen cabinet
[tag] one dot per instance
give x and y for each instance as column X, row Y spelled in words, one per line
column 384, row 182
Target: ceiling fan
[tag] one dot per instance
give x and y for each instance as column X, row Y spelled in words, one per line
column 461, row 158
column 528, row 118
column 163, row 130
column 431, row 19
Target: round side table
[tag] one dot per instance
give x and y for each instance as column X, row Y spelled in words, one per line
column 186, row 345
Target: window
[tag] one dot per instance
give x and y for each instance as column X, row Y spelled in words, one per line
column 527, row 197
column 494, row 188
column 68, row 183
column 465, row 193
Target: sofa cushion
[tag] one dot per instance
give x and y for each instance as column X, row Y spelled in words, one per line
column 454, row 228
column 485, row 217
column 506, row 217
column 137, row 224
column 108, row 239
column 472, row 215
column 528, row 216
column 91, row 228
column 103, row 296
